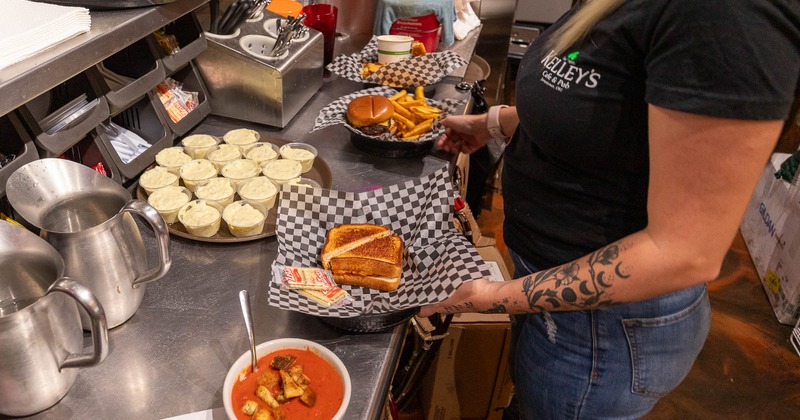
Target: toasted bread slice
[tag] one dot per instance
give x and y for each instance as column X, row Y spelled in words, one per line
column 378, row 257
column 383, row 283
column 344, row 238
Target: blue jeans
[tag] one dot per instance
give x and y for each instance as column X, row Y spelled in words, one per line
column 614, row 362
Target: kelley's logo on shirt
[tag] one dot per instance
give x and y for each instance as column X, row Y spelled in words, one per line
column 562, row 73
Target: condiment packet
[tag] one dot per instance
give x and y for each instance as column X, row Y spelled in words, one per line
column 330, row 297
column 302, row 277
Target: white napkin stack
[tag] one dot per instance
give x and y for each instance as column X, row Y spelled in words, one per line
column 27, row 28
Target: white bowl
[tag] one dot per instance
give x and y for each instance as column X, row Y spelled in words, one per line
column 243, row 363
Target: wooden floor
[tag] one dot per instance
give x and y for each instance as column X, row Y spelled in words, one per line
column 747, row 368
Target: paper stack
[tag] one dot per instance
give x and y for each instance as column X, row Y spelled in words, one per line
column 27, row 28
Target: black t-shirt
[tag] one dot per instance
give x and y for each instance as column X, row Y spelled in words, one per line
column 576, row 173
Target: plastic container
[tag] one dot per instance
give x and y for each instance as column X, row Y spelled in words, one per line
column 222, row 154
column 240, row 170
column 259, row 190
column 168, row 201
column 129, row 74
column 17, row 143
column 196, row 171
column 244, row 218
column 262, row 153
column 172, row 158
column 200, row 218
column 244, row 138
column 197, row 145
column 281, row 171
column 217, row 190
column 301, row 152
column 156, row 178
column 191, row 42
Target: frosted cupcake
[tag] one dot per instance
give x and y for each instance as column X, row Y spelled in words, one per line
column 172, row 158
column 157, row 177
column 240, row 170
column 196, row 171
column 200, row 218
column 168, row 201
column 244, row 219
column 198, row 145
column 216, row 190
column 243, row 138
column 259, row 190
column 222, row 154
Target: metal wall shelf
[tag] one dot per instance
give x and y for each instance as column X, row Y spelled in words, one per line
column 111, row 32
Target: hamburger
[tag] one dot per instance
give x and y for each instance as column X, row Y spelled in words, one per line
column 371, row 114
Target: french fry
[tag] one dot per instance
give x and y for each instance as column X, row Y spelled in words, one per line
column 414, row 102
column 419, row 94
column 400, row 109
column 398, row 95
column 407, row 123
column 419, row 129
column 424, row 112
column 405, row 99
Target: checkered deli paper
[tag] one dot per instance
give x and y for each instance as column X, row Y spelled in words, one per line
column 424, row 70
column 436, row 259
column 336, row 113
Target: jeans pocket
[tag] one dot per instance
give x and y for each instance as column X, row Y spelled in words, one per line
column 664, row 348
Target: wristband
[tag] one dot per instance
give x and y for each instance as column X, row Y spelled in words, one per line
column 493, row 123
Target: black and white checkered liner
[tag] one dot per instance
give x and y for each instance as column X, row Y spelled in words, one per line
column 415, row 71
column 437, row 258
column 336, row 113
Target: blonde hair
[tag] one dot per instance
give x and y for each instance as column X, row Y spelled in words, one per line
column 576, row 28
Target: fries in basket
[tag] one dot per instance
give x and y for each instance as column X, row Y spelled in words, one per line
column 413, row 115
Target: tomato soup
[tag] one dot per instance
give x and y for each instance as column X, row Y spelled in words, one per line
column 325, row 382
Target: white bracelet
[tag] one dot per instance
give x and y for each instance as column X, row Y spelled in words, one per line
column 493, row 123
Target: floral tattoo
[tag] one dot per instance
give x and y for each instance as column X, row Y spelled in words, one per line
column 563, row 286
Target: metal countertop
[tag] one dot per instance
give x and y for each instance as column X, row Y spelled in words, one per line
column 171, row 357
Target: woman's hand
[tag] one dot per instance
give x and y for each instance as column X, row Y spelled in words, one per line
column 464, row 133
column 470, row 296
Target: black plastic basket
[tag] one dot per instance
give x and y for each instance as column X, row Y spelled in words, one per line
column 369, row 323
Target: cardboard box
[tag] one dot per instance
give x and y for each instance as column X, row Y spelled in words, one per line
column 469, row 378
column 771, row 230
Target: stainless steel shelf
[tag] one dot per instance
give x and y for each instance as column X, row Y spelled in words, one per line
column 111, row 32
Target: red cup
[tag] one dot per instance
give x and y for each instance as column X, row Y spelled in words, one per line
column 322, row 17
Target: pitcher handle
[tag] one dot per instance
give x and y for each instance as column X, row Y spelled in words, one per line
column 92, row 306
column 151, row 216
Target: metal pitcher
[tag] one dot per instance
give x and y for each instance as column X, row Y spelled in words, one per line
column 41, row 342
column 87, row 218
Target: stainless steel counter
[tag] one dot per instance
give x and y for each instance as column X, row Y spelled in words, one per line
column 171, row 357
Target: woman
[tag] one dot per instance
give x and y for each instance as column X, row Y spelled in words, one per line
column 640, row 130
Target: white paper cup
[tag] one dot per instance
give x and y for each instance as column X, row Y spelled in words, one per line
column 393, row 48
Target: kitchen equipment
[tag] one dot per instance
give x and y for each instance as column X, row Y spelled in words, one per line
column 245, row 82
column 42, row 339
column 247, row 313
column 107, row 4
column 88, row 219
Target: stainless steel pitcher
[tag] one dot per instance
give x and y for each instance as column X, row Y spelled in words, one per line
column 87, row 218
column 41, row 339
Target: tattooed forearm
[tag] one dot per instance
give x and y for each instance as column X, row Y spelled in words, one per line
column 497, row 308
column 568, row 286
column 463, row 307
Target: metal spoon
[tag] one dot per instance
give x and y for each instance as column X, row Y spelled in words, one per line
column 244, row 300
